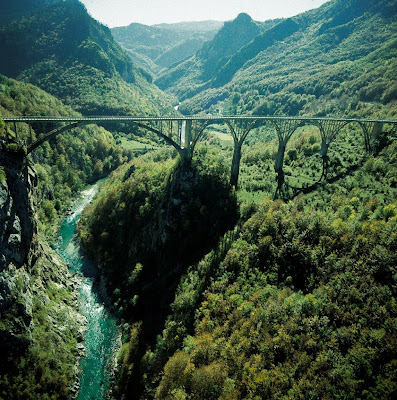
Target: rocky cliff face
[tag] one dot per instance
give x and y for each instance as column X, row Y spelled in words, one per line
column 18, row 251
column 39, row 321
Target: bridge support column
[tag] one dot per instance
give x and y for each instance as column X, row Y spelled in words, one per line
column 325, row 143
column 186, row 153
column 235, row 171
column 285, row 129
column 279, row 164
column 376, row 132
column 239, row 130
column 16, row 131
column 188, row 136
column 328, row 130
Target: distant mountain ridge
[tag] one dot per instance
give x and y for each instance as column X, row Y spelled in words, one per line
column 339, row 58
column 155, row 47
column 204, row 66
column 57, row 46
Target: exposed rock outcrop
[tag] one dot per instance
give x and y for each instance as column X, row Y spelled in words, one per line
column 39, row 318
column 18, row 251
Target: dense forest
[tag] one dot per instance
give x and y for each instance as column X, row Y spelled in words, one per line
column 333, row 60
column 60, row 48
column 72, row 160
column 220, row 291
column 288, row 302
column 41, row 308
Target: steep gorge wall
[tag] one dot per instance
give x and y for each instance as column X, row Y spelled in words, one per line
column 18, row 252
column 40, row 327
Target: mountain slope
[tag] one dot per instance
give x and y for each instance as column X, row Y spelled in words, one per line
column 199, row 70
column 64, row 51
column 159, row 46
column 335, row 59
column 40, row 329
column 66, row 164
column 286, row 303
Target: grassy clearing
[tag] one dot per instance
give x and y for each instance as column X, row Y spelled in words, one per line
column 134, row 145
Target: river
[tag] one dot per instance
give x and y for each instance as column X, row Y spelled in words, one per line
column 101, row 336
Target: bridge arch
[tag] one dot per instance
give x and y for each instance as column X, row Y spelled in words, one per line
column 285, row 129
column 185, row 152
column 76, row 124
column 239, row 130
column 239, row 127
column 370, row 130
column 167, row 139
column 53, row 134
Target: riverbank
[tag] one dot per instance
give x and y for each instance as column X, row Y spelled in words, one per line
column 40, row 326
column 101, row 334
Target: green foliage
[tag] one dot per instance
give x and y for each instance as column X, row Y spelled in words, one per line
column 3, row 177
column 159, row 46
column 69, row 162
column 258, row 44
column 47, row 368
column 316, row 63
column 63, row 50
column 162, row 205
column 149, row 223
column 2, row 128
column 295, row 301
column 295, row 308
column 204, row 65
column 290, row 303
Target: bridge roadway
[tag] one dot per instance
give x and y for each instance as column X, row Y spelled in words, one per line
column 211, row 118
column 184, row 132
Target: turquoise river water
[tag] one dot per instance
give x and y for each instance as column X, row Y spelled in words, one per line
column 100, row 338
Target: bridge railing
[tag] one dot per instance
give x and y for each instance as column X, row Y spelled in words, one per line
column 97, row 119
column 184, row 132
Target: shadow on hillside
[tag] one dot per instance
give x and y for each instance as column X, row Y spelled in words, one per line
column 349, row 171
column 145, row 246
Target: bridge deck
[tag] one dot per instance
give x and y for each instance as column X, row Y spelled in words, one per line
column 96, row 119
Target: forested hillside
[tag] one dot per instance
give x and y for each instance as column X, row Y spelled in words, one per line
column 220, row 291
column 297, row 298
column 41, row 329
column 159, row 46
column 338, row 59
column 153, row 218
column 194, row 72
column 70, row 161
column 57, row 46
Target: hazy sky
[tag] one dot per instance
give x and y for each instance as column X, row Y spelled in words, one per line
column 149, row 12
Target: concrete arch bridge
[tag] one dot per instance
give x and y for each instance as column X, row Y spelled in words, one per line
column 183, row 133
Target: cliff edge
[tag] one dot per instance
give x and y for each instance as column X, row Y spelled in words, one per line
column 40, row 327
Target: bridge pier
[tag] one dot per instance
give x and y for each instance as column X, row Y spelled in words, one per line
column 235, row 170
column 279, row 164
column 285, row 129
column 328, row 130
column 187, row 139
column 239, row 130
column 375, row 133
